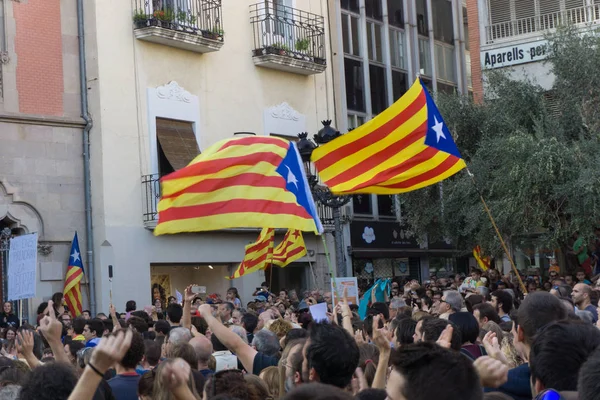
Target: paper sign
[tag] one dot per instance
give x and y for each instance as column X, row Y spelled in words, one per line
column 319, row 311
column 340, row 283
column 179, row 297
column 22, row 264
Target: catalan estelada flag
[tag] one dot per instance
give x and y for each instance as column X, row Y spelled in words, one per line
column 72, row 290
column 246, row 182
column 257, row 255
column 483, row 262
column 292, row 248
column 406, row 147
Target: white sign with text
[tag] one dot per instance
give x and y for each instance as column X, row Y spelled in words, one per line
column 22, row 264
column 514, row 55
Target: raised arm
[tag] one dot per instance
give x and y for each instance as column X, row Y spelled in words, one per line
column 52, row 329
column 232, row 341
column 188, row 297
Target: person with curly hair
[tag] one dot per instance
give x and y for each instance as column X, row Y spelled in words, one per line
column 124, row 385
column 52, row 381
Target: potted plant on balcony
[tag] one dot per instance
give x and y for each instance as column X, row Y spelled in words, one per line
column 215, row 33
column 279, row 48
column 164, row 18
column 302, row 47
column 140, row 19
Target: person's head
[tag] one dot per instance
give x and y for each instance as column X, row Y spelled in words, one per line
column 86, row 314
column 94, row 328
column 317, row 391
column 475, row 274
column 225, row 310
column 130, row 306
column 145, row 385
column 580, row 275
column 249, row 322
column 203, row 349
column 561, row 291
column 266, row 342
column 152, row 353
column 485, row 312
column 66, row 320
column 232, row 294
column 137, row 324
column 430, row 329
column 468, row 325
column 502, row 301
column 581, row 295
column 380, row 308
column 135, row 353
column 537, row 310
column 162, row 391
column 270, row 377
column 405, row 331
column 71, row 350
column 174, row 313
column 51, row 381
column 570, row 280
column 186, row 352
column 331, row 355
column 236, row 317
column 558, row 352
column 451, row 302
column 229, row 382
column 257, row 388
column 7, row 307
column 79, row 325
column 588, row 386
column 426, row 371
column 176, row 336
column 57, row 299
column 162, row 327
column 395, row 305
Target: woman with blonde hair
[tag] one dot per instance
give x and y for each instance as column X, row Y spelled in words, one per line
column 280, row 327
column 270, row 376
column 161, row 392
column 257, row 388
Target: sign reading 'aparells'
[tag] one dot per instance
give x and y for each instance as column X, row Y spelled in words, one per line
column 514, row 55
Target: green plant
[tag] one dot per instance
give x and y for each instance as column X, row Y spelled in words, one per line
column 217, row 31
column 139, row 16
column 302, row 44
column 164, row 15
column 280, row 46
column 192, row 19
column 182, row 16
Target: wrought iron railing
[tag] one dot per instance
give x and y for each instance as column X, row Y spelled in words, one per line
column 151, row 188
column 544, row 22
column 287, row 31
column 201, row 17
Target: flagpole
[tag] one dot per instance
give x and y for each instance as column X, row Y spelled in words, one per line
column 328, row 257
column 489, row 213
column 312, row 271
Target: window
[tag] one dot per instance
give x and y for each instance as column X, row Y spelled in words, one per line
column 351, row 5
column 468, row 68
column 354, row 121
column 424, row 56
column 373, row 9
column 444, row 62
column 466, row 28
column 422, row 26
column 442, row 21
column 355, row 99
column 350, row 35
column 448, row 89
column 397, row 48
column 395, row 13
column 386, row 206
column 176, row 144
column 361, row 204
column 374, row 41
column 378, row 86
column 399, row 83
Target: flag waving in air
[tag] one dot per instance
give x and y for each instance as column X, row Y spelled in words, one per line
column 258, row 254
column 292, row 248
column 72, row 290
column 483, row 262
column 246, row 182
column 405, row 148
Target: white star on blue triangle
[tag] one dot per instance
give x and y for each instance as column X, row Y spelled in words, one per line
column 438, row 135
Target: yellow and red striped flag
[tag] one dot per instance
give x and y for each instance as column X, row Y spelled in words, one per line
column 72, row 290
column 258, row 254
column 247, row 182
column 406, row 147
column 292, row 248
column 483, row 262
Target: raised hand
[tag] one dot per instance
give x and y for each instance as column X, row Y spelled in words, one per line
column 492, row 347
column 492, row 373
column 445, row 339
column 379, row 338
column 188, row 295
column 175, row 376
column 111, row 350
column 25, row 343
column 49, row 325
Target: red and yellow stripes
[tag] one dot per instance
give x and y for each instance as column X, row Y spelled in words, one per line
column 483, row 262
column 232, row 184
column 257, row 255
column 387, row 154
column 290, row 249
column 72, row 290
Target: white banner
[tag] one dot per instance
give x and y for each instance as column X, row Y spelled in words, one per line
column 22, row 264
column 337, row 289
column 514, row 55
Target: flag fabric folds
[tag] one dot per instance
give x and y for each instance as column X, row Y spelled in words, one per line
column 292, row 248
column 405, row 148
column 258, row 254
column 72, row 289
column 246, row 182
column 483, row 262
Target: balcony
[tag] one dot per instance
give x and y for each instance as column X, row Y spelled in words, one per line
column 539, row 24
column 287, row 39
column 151, row 196
column 193, row 25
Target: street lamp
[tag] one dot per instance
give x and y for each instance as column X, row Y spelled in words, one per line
column 322, row 193
column 5, row 235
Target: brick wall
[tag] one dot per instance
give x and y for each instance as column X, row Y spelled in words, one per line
column 38, row 46
column 475, row 46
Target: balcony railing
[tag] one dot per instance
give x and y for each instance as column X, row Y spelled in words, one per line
column 151, row 196
column 291, row 38
column 188, row 21
column 542, row 23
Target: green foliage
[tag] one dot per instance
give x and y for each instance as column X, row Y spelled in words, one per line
column 535, row 158
column 139, row 16
column 302, row 44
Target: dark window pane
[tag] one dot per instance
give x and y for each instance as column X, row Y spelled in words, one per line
column 442, row 21
column 398, row 84
column 395, row 13
column 350, row 5
column 373, row 9
column 378, row 93
column 345, row 34
column 449, row 89
column 362, row 204
column 428, row 84
column 422, row 17
column 385, row 204
column 355, row 99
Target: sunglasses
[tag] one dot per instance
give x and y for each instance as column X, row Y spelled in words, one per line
column 549, row 394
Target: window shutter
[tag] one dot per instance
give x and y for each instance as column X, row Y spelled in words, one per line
column 499, row 11
column 524, row 8
column 549, row 6
column 178, row 141
column 569, row 4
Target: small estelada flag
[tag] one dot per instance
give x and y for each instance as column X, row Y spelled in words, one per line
column 290, row 249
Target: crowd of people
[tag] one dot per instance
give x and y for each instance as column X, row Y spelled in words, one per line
column 456, row 337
